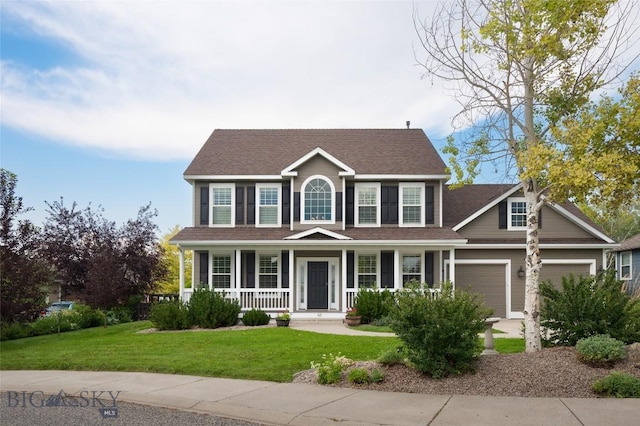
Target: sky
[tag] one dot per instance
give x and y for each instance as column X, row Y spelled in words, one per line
column 105, row 103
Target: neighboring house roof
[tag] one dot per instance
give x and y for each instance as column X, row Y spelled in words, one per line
column 269, row 152
column 355, row 235
column 630, row 244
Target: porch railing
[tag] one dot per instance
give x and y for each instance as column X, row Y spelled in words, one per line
column 251, row 298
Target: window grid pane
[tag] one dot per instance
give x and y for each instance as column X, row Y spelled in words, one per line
column 367, row 203
column 221, row 271
column 268, row 271
column 367, row 268
column 518, row 214
column 411, row 205
column 317, row 195
column 221, row 206
column 411, row 268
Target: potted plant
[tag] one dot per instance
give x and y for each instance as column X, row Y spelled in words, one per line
column 283, row 318
column 353, row 318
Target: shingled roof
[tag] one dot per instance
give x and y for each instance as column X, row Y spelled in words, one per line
column 630, row 244
column 268, row 152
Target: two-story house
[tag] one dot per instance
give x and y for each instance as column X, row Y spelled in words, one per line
column 301, row 219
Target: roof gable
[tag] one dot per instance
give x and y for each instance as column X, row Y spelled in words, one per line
column 291, row 170
column 317, row 232
column 270, row 152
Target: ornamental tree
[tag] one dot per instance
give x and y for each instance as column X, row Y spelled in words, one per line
column 523, row 72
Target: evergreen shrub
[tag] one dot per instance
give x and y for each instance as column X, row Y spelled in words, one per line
column 372, row 304
column 255, row 317
column 440, row 334
column 600, row 350
column 169, row 316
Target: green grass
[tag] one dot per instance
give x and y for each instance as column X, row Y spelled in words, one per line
column 273, row 354
column 374, row 328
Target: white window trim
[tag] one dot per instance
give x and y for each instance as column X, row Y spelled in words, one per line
column 232, row 186
column 303, row 201
column 364, row 185
column 401, row 266
column 401, row 187
column 231, row 274
column 276, row 254
column 278, row 186
column 623, row 265
column 356, row 271
column 510, row 201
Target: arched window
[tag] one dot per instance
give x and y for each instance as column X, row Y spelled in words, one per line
column 318, row 200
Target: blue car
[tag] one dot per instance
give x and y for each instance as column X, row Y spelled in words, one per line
column 57, row 307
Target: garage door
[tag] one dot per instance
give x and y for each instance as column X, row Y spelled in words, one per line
column 555, row 272
column 487, row 280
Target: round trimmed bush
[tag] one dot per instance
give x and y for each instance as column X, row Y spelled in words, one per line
column 255, row 317
column 600, row 349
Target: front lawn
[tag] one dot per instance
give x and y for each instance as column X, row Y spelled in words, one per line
column 272, row 353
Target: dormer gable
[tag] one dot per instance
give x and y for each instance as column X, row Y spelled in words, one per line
column 292, row 169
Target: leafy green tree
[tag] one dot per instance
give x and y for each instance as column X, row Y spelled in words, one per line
column 24, row 275
column 171, row 261
column 521, row 70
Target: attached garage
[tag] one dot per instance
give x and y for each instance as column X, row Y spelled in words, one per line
column 488, row 278
column 554, row 270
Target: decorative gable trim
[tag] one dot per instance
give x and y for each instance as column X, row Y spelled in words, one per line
column 486, row 208
column 291, row 169
column 318, row 230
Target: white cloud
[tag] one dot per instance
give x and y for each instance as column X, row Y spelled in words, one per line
column 154, row 79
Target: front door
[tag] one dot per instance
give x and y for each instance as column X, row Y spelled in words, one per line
column 318, row 282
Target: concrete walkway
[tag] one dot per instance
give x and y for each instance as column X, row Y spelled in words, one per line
column 303, row 404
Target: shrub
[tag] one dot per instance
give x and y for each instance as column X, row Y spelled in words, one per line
column 211, row 309
column 88, row 317
column 330, row 369
column 372, row 304
column 440, row 334
column 359, row 376
column 600, row 349
column 392, row 356
column 14, row 330
column 377, row 375
column 58, row 322
column 169, row 316
column 255, row 317
column 620, row 385
column 587, row 306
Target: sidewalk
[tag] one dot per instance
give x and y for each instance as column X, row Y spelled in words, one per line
column 303, row 404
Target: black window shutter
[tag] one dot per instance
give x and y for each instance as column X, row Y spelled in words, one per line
column 285, row 268
column 338, row 206
column 540, row 219
column 251, row 205
column 204, row 270
column 350, row 269
column 286, row 205
column 502, row 214
column 384, row 205
column 386, row 269
column 239, row 205
column 250, row 268
column 204, row 205
column 429, row 216
column 296, row 206
column 429, row 268
column 393, row 205
column 350, row 204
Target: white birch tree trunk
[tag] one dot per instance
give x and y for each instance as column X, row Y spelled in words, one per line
column 533, row 261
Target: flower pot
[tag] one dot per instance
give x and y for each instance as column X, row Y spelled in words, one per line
column 282, row 322
column 352, row 321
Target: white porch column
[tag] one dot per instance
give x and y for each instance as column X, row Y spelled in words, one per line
column 452, row 266
column 237, row 282
column 343, row 280
column 292, row 281
column 397, row 281
column 181, row 255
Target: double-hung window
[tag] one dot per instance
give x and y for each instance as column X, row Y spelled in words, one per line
column 268, row 211
column 625, row 265
column 268, row 271
column 222, row 204
column 412, row 204
column 411, row 268
column 318, row 201
column 367, row 270
column 517, row 213
column 221, row 271
column 367, row 212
